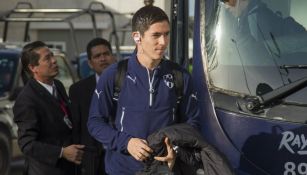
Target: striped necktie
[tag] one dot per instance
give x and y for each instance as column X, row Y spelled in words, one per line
column 54, row 92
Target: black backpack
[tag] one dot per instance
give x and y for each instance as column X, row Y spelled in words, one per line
column 121, row 73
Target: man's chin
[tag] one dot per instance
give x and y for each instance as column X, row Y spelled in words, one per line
column 159, row 57
column 55, row 74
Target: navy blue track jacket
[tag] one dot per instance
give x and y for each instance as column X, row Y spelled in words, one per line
column 147, row 103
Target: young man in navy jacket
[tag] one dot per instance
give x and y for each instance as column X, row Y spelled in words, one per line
column 147, row 100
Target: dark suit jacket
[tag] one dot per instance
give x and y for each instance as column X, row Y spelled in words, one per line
column 80, row 94
column 42, row 131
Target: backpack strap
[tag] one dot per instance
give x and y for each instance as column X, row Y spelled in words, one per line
column 118, row 82
column 178, row 77
column 178, row 81
column 119, row 77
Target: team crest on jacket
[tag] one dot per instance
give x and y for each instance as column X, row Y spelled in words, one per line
column 168, row 80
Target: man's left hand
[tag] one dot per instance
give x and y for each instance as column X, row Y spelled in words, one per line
column 171, row 155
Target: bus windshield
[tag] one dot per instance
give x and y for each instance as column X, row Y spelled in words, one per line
column 258, row 46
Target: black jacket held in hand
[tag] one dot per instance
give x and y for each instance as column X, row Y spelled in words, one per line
column 193, row 152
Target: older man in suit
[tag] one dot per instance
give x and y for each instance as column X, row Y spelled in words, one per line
column 42, row 114
column 100, row 56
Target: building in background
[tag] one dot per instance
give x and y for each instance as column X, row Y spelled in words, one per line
column 58, row 34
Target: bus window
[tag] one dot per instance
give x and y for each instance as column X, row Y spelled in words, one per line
column 258, row 47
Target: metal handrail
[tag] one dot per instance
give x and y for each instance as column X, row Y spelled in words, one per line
column 70, row 15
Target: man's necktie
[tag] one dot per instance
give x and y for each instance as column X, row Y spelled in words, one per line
column 54, row 92
column 63, row 107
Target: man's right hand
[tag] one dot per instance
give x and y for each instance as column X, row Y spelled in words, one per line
column 73, row 153
column 139, row 149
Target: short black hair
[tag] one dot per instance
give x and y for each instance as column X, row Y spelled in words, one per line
column 95, row 42
column 29, row 56
column 146, row 16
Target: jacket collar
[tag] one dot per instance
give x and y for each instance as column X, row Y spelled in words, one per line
column 136, row 66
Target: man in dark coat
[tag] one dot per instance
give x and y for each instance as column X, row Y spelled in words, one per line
column 99, row 57
column 41, row 112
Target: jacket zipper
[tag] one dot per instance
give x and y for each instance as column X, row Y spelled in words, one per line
column 151, row 90
column 122, row 119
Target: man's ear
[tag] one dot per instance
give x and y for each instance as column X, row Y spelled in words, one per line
column 89, row 63
column 136, row 37
column 31, row 68
column 114, row 59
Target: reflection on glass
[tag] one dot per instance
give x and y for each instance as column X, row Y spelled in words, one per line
column 254, row 39
column 7, row 73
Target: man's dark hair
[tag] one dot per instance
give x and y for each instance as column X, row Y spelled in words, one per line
column 146, row 16
column 95, row 42
column 29, row 55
